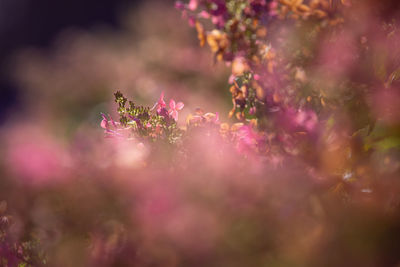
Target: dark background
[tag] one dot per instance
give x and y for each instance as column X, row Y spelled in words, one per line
column 36, row 23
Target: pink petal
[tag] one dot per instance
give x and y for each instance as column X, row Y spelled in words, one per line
column 179, row 5
column 112, row 121
column 192, row 21
column 174, row 114
column 216, row 117
column 104, row 124
column 104, row 116
column 172, row 104
column 161, row 101
column 179, row 106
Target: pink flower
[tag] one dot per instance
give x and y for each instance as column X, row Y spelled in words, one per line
column 105, row 123
column 174, row 108
column 110, row 126
column 161, row 103
column 204, row 14
column 179, row 5
column 192, row 21
column 193, row 4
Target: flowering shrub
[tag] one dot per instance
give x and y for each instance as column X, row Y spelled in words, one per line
column 144, row 123
column 298, row 82
column 300, row 170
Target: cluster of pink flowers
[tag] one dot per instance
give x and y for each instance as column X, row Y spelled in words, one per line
column 281, row 106
column 174, row 107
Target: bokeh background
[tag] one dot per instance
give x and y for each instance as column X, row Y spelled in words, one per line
column 49, row 49
column 70, row 197
column 60, row 64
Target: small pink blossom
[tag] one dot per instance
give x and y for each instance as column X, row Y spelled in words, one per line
column 204, row 14
column 161, row 103
column 111, row 127
column 105, row 123
column 193, row 4
column 179, row 5
column 218, row 21
column 192, row 21
column 174, row 108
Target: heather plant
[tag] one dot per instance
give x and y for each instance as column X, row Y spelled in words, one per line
column 301, row 170
column 300, row 84
column 307, row 75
